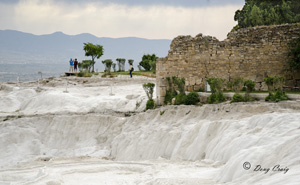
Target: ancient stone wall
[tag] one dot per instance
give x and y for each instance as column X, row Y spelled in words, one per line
column 250, row 53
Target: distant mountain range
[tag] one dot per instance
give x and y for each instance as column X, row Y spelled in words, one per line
column 18, row 48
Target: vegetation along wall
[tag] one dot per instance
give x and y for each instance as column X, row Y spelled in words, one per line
column 251, row 53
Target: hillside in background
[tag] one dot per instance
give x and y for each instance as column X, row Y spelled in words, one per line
column 24, row 48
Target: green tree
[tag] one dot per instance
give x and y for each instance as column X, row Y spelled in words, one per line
column 114, row 67
column 250, row 86
column 123, row 60
column 149, row 89
column 85, row 65
column 108, row 63
column 267, row 12
column 147, row 60
column 256, row 16
column 95, row 51
column 121, row 64
column 216, row 85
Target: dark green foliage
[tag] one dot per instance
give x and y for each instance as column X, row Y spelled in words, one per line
column 229, row 85
column 86, row 65
column 149, row 89
column 237, row 98
column 169, row 96
column 267, row 12
column 216, row 98
column 275, row 83
column 148, row 62
column 277, row 96
column 216, row 85
column 170, row 93
column 294, row 53
column 192, row 98
column 150, row 104
column 201, row 89
column 95, row 51
column 270, row 83
column 180, row 99
column 275, row 88
column 180, row 82
column 153, row 65
column 250, row 85
column 238, row 84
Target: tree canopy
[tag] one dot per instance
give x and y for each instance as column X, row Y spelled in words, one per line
column 267, row 12
column 121, row 63
column 95, row 51
column 148, row 62
column 108, row 63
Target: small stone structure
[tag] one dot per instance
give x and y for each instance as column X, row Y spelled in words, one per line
column 251, row 53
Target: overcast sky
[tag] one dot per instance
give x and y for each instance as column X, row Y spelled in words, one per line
column 153, row 19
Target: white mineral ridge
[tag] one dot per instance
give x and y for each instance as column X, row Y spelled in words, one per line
column 82, row 137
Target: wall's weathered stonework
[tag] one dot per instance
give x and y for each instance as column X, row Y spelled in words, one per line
column 250, row 53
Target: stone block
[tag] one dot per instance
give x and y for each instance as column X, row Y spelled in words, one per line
column 190, row 88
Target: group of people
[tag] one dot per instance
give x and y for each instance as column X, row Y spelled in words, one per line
column 73, row 65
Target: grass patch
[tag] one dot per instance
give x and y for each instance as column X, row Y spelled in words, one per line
column 138, row 73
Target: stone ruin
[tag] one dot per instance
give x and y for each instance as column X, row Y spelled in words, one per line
column 251, row 53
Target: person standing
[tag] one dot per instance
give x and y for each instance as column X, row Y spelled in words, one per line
column 71, row 65
column 75, row 65
column 130, row 70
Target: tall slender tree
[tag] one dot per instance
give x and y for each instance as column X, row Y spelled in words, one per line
column 95, row 51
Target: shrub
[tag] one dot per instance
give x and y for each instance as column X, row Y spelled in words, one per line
column 229, row 85
column 238, row 84
column 149, row 89
column 108, row 63
column 220, row 98
column 180, row 82
column 171, row 93
column 249, row 84
column 216, row 85
column 169, row 96
column 201, row 89
column 212, row 99
column 150, row 104
column 180, row 99
column 277, row 96
column 192, row 98
column 275, row 88
column 237, row 98
column 84, row 74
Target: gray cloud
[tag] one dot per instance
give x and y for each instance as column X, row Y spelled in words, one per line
column 117, row 20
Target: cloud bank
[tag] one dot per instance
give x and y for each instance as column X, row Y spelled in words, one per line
column 155, row 21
